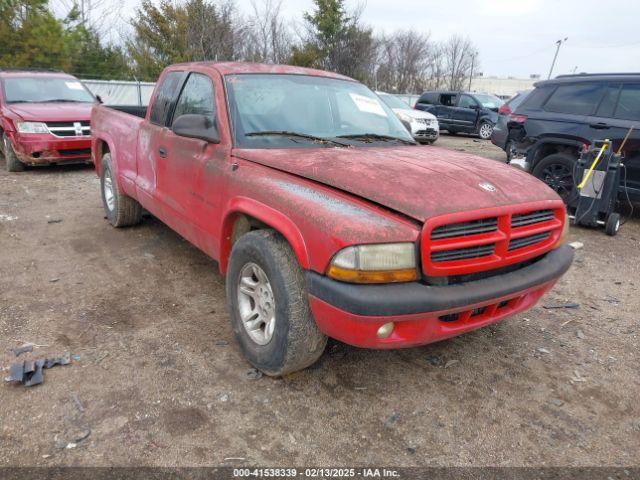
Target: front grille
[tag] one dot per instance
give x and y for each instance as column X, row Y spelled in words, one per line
column 464, row 229
column 538, row 216
column 463, row 253
column 472, row 247
column 522, row 242
column 70, row 129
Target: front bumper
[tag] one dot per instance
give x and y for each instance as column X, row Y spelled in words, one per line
column 422, row 313
column 38, row 149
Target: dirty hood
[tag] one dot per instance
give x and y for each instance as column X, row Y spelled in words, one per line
column 419, row 182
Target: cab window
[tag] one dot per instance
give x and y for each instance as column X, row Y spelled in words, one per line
column 197, row 97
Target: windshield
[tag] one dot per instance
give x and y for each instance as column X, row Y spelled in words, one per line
column 489, row 101
column 296, row 111
column 394, row 102
column 44, row 89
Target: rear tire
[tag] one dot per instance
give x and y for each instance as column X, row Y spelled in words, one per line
column 485, row 130
column 556, row 170
column 120, row 209
column 269, row 307
column 612, row 225
column 11, row 160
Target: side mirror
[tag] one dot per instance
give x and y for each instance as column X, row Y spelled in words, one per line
column 99, row 99
column 196, row 126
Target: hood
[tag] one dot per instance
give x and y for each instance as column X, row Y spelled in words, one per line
column 415, row 181
column 414, row 113
column 52, row 112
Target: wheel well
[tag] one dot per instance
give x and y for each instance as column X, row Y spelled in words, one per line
column 243, row 224
column 547, row 149
column 102, row 148
column 239, row 223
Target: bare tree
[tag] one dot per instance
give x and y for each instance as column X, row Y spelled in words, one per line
column 405, row 58
column 213, row 30
column 458, row 53
column 270, row 38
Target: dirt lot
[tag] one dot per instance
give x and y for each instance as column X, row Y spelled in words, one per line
column 160, row 380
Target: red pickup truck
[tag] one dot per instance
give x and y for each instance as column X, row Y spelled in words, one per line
column 325, row 216
column 44, row 119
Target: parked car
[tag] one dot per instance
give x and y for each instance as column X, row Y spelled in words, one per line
column 323, row 213
column 562, row 116
column 423, row 126
column 500, row 135
column 44, row 118
column 462, row 112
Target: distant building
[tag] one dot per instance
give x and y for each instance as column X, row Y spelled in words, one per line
column 502, row 87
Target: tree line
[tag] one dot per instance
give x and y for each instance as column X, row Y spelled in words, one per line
column 328, row 37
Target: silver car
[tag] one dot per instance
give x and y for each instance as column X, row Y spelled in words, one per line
column 423, row 126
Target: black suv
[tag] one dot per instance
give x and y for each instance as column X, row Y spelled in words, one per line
column 559, row 117
column 462, row 112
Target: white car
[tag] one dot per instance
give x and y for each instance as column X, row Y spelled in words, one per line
column 423, row 126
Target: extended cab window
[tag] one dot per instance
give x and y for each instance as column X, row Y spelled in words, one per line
column 629, row 103
column 165, row 95
column 197, row 97
column 575, row 99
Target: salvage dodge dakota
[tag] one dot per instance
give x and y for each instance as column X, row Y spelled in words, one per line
column 325, row 216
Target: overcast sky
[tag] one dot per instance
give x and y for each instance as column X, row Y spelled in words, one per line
column 514, row 37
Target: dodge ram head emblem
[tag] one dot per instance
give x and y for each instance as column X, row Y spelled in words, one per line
column 487, row 186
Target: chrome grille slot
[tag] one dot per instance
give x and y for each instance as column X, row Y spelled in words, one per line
column 69, row 129
column 463, row 253
column 530, row 218
column 463, row 229
column 526, row 241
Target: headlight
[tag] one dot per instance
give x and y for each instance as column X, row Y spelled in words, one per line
column 31, row 127
column 380, row 263
column 404, row 117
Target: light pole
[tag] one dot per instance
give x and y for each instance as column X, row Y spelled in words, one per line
column 555, row 57
column 473, row 59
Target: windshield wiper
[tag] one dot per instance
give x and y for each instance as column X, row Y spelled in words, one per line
column 377, row 136
column 285, row 133
column 58, row 100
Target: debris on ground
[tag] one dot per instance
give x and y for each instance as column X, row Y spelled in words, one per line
column 76, row 400
column 577, row 377
column 221, row 343
column 253, row 374
column 451, row 363
column 54, row 220
column 392, row 419
column 580, row 334
column 557, row 402
column 543, row 350
column 561, row 305
column 54, row 280
column 434, row 360
column 27, row 347
column 576, row 245
column 29, row 372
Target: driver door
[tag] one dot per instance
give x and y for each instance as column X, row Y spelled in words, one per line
column 190, row 171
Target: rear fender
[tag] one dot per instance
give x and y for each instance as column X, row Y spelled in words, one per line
column 554, row 144
column 267, row 215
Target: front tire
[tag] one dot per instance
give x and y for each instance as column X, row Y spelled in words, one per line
column 485, row 130
column 269, row 307
column 120, row 209
column 10, row 158
column 612, row 225
column 556, row 170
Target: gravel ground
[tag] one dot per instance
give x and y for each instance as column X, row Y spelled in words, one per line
column 160, row 380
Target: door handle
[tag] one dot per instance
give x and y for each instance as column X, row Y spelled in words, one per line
column 600, row 126
column 163, row 152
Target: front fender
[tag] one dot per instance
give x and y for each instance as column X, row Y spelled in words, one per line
column 267, row 215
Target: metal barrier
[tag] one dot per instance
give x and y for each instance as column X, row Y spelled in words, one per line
column 121, row 92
